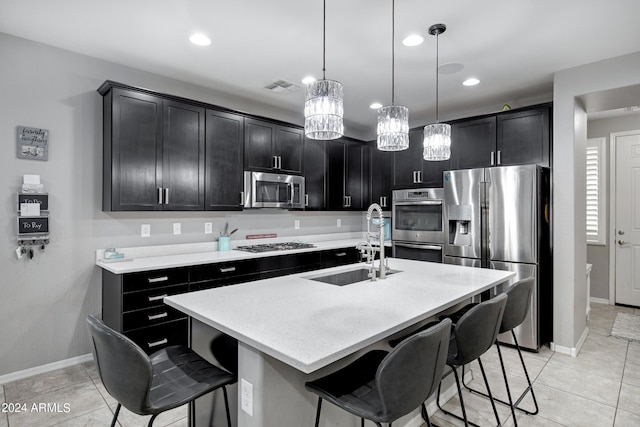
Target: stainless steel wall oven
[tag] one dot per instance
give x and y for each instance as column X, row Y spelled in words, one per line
column 418, row 225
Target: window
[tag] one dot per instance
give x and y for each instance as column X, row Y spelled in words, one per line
column 596, row 191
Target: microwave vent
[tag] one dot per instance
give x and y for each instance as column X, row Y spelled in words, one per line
column 282, row 86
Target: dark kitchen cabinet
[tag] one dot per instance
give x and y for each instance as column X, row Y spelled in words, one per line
column 271, row 147
column 347, row 175
column 410, row 170
column 153, row 152
column 314, row 174
column 507, row 138
column 224, row 181
column 381, row 166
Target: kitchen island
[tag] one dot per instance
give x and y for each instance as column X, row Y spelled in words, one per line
column 293, row 329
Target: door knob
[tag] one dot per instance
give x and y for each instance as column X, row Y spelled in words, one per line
column 621, row 232
column 622, row 242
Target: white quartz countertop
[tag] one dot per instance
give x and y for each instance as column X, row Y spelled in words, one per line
column 147, row 263
column 309, row 324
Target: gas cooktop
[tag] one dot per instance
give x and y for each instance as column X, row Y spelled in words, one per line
column 268, row 247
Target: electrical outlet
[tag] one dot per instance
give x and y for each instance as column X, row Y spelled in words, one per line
column 177, row 229
column 145, row 230
column 296, row 224
column 246, row 389
column 339, row 222
column 208, row 228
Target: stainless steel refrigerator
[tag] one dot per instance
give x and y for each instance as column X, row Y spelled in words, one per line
column 499, row 218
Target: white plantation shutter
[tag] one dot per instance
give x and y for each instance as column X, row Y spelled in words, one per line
column 596, row 195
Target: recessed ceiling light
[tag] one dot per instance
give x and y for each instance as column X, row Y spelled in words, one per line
column 413, row 40
column 375, row 106
column 471, row 82
column 200, row 39
column 308, row 79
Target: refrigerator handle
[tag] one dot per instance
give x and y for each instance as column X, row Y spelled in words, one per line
column 484, row 224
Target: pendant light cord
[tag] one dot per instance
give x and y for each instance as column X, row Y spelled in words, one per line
column 324, row 38
column 393, row 68
column 437, row 81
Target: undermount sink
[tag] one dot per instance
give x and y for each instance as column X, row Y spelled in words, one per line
column 347, row 277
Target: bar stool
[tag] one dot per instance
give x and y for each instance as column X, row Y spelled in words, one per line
column 474, row 334
column 383, row 386
column 518, row 304
column 150, row 385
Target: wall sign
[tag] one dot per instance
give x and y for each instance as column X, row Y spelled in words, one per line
column 33, row 143
column 42, row 199
column 33, row 225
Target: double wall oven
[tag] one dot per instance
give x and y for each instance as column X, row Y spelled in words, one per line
column 418, row 226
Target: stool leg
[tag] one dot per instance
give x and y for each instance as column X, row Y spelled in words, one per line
column 115, row 415
column 226, row 405
column 506, row 383
column 318, row 411
column 486, row 383
column 425, row 415
column 153, row 418
column 526, row 374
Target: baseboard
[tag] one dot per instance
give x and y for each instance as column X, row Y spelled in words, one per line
column 571, row 351
column 26, row 373
column 599, row 300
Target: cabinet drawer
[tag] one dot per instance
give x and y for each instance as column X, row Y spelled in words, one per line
column 337, row 257
column 150, row 317
column 226, row 270
column 154, row 338
column 150, row 297
column 153, row 279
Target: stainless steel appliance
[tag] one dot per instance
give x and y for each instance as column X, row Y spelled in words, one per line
column 499, row 218
column 418, row 227
column 271, row 190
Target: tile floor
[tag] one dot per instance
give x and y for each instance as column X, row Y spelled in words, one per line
column 601, row 387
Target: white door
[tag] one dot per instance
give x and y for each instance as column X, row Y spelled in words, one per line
column 627, row 225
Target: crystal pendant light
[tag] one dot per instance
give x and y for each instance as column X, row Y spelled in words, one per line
column 437, row 136
column 323, row 108
column 393, row 120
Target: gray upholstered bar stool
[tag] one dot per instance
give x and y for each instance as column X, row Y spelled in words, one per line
column 474, row 334
column 518, row 304
column 150, row 385
column 384, row 386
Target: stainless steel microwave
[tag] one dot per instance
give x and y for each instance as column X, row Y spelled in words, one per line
column 271, row 190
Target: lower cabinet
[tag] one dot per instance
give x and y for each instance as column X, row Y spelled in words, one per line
column 133, row 304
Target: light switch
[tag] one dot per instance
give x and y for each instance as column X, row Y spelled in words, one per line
column 208, row 228
column 145, row 230
column 296, row 224
column 177, row 229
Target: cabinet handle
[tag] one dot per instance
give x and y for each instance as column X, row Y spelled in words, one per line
column 279, row 162
column 166, row 196
column 159, row 196
column 157, row 343
column 499, row 157
column 158, row 279
column 157, row 316
column 383, row 201
column 414, row 177
column 227, row 269
column 341, row 254
column 242, row 198
column 493, row 155
column 419, row 177
column 306, row 200
column 347, row 201
column 157, row 298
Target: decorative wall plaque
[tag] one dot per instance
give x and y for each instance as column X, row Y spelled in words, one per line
column 33, row 143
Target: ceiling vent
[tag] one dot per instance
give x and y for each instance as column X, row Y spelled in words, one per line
column 282, row 86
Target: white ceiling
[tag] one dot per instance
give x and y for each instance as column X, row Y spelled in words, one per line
column 512, row 46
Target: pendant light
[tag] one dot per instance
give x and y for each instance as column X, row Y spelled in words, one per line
column 393, row 120
column 437, row 136
column 323, row 109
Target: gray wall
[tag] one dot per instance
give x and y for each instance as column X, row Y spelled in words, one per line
column 598, row 255
column 569, row 154
column 45, row 300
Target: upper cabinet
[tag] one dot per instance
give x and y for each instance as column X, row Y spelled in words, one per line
column 271, row 147
column 380, row 176
column 347, row 175
column 314, row 174
column 153, row 153
column 409, row 168
column 515, row 137
column 223, row 161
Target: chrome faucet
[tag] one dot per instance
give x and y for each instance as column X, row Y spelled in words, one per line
column 383, row 268
column 366, row 248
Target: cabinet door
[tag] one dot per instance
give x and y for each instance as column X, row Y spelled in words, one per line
column 523, row 137
column 432, row 172
column 356, row 176
column 314, row 173
column 473, row 143
column 381, row 163
column 183, row 156
column 336, row 155
column 289, row 148
column 223, row 165
column 132, row 151
column 408, row 163
column 259, row 145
